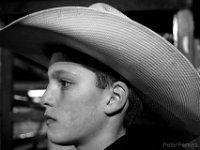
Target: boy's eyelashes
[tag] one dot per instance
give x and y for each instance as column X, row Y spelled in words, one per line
column 64, row 83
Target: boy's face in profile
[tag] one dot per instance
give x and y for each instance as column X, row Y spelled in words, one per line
column 74, row 105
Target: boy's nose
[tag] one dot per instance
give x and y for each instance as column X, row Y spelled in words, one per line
column 47, row 98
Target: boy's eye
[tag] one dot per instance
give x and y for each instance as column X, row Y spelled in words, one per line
column 65, row 83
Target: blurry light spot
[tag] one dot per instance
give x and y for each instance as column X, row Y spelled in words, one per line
column 35, row 93
column 186, row 44
column 26, row 135
column 20, row 98
column 37, row 100
column 175, row 31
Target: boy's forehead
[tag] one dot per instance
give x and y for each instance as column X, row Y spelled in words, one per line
column 83, row 60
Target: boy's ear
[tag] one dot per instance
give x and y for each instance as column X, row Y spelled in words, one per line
column 118, row 98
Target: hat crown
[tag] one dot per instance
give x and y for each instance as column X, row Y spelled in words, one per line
column 108, row 9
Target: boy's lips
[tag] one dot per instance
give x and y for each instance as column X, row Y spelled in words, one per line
column 49, row 119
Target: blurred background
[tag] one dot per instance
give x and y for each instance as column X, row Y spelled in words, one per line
column 22, row 82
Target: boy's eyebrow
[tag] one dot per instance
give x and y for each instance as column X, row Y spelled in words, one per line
column 57, row 73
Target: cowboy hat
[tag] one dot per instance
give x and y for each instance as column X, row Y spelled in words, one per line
column 167, row 82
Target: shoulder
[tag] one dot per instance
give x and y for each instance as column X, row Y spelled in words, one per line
column 128, row 142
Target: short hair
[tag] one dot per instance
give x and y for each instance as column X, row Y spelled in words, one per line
column 106, row 77
column 105, row 80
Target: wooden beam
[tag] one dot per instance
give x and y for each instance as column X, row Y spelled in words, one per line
column 30, row 67
column 25, row 86
column 6, row 96
column 24, row 7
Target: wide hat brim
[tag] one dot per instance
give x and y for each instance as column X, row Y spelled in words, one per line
column 167, row 82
